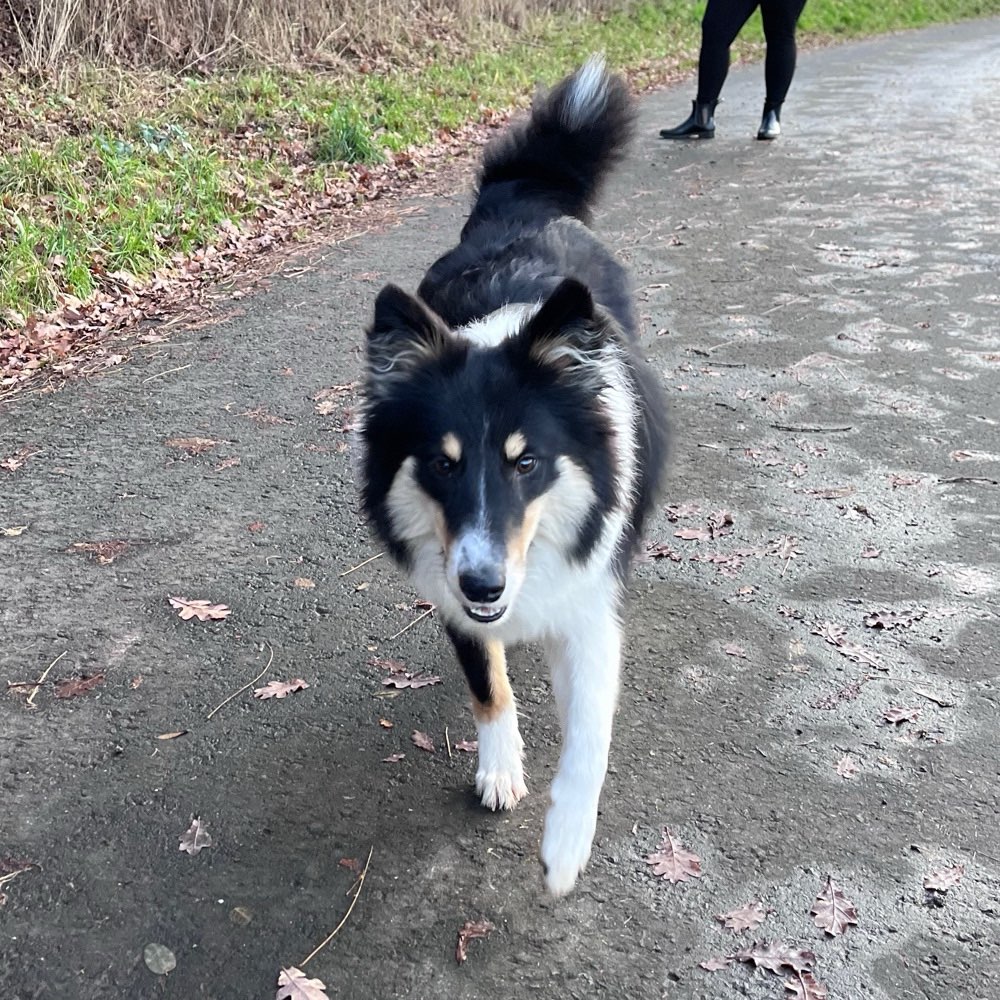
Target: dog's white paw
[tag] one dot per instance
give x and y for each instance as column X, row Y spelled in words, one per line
column 566, row 843
column 500, row 776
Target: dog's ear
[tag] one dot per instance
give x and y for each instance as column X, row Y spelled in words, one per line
column 404, row 333
column 567, row 330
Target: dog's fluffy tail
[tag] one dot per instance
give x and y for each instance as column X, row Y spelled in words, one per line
column 553, row 163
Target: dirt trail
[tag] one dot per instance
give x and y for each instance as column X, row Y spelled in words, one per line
column 825, row 311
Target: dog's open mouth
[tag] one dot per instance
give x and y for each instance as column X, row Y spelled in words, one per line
column 485, row 613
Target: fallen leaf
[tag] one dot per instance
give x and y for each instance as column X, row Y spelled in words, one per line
column 661, row 550
column 467, row 746
column 159, row 959
column 714, row 964
column 693, row 534
column 898, row 714
column 192, row 445
column 256, row 526
column 393, row 758
column 172, row 736
column 896, row 480
column 385, row 723
column 135, row 682
column 202, row 610
column 422, row 740
column 73, row 687
column 774, row 955
column 744, row 918
column 410, row 680
column 672, row 861
column 351, row 864
column 304, row 582
column 732, row 649
column 832, row 911
column 14, row 531
column 196, row 838
column 293, row 985
column 228, row 463
column 385, row 663
column 280, row 689
column 944, row 878
column 891, row 619
column 469, row 930
column 103, row 553
column 870, row 552
column 846, row 767
column 676, row 511
column 806, row 987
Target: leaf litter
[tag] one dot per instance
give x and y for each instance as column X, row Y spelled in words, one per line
column 470, row 930
column 196, row 838
column 832, row 911
column 279, row 689
column 202, row 610
column 744, row 918
column 73, row 687
column 944, row 879
column 674, row 862
column 294, row 984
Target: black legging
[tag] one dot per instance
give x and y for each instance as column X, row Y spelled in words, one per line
column 722, row 23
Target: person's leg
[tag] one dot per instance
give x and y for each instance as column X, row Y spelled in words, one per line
column 719, row 27
column 780, row 18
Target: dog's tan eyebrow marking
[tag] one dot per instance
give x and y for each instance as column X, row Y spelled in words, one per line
column 514, row 446
column 451, row 447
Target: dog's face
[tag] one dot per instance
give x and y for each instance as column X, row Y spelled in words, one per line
column 483, row 449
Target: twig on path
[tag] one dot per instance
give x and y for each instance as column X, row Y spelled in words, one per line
column 41, row 680
column 245, row 686
column 347, row 572
column 447, row 743
column 169, row 371
column 969, row 479
column 808, row 429
column 10, row 876
column 406, row 628
column 357, row 892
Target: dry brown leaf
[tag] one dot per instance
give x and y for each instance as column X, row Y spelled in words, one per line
column 896, row 480
column 806, row 987
column 13, row 531
column 672, row 861
column 196, row 837
column 280, row 689
column 661, row 550
column 775, row 955
column 833, row 634
column 386, row 663
column 202, row 610
column 385, row 723
column 846, row 767
column 898, row 714
column 172, row 736
column 422, row 740
column 304, row 582
column 73, row 687
column 892, row 619
column 256, row 526
column 467, row 746
column 744, row 918
column 228, row 463
column 293, row 984
column 832, row 911
column 693, row 534
column 192, row 445
column 715, row 963
column 103, row 553
column 393, row 758
column 410, row 680
column 676, row 511
column 351, row 864
column 733, row 649
column 870, row 552
column 944, row 878
column 469, row 930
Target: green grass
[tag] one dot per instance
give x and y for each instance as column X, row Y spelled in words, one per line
column 119, row 172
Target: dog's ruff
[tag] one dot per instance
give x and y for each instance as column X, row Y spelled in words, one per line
column 512, row 443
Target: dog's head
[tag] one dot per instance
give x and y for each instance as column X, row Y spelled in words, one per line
column 481, row 451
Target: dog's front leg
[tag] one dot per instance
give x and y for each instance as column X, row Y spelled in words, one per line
column 584, row 666
column 500, row 775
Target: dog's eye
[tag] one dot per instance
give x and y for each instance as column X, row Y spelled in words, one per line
column 443, row 466
column 526, row 464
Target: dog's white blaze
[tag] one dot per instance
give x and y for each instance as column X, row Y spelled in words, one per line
column 588, row 96
column 500, row 775
column 497, row 326
column 472, row 549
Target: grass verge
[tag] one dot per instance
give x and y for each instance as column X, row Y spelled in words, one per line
column 109, row 176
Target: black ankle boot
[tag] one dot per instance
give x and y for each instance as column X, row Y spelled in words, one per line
column 698, row 125
column 770, row 124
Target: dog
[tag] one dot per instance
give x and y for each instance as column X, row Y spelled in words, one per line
column 513, row 441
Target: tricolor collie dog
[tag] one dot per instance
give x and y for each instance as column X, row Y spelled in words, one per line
column 513, row 441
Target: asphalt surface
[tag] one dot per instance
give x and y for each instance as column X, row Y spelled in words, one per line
column 825, row 311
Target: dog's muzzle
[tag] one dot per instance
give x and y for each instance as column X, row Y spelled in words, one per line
column 482, row 589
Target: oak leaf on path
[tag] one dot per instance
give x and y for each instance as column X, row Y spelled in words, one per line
column 280, row 689
column 202, row 610
column 73, row 687
column 196, row 837
column 832, row 911
column 469, row 930
column 944, row 878
column 744, row 918
column 293, row 984
column 774, row 955
column 422, row 740
column 806, row 987
column 672, row 861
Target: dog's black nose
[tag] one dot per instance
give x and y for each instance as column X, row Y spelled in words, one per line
column 482, row 587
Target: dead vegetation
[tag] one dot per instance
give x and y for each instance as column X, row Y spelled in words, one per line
column 192, row 35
